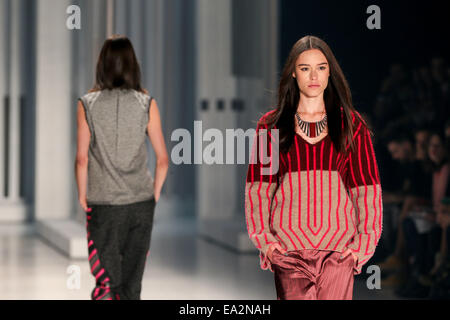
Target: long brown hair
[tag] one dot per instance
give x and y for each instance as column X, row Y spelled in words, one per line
column 337, row 95
column 117, row 65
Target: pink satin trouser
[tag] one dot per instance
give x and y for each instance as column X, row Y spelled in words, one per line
column 313, row 275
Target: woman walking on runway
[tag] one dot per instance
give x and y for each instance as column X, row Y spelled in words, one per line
column 114, row 120
column 316, row 217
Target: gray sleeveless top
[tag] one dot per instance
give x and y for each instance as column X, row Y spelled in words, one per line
column 117, row 166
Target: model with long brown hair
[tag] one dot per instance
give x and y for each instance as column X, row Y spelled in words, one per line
column 318, row 218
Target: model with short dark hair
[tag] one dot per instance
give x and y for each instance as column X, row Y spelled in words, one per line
column 114, row 120
column 318, row 218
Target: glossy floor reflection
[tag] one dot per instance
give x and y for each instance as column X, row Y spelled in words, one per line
column 181, row 265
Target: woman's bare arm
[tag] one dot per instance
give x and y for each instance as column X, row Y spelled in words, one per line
column 155, row 134
column 81, row 161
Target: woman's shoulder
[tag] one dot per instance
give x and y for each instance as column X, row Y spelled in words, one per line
column 360, row 125
column 144, row 98
column 265, row 118
column 89, row 97
column 94, row 90
column 91, row 92
column 142, row 92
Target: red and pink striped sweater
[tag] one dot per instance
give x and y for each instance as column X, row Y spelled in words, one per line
column 318, row 198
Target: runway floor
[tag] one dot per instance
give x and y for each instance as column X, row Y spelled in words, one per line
column 181, row 265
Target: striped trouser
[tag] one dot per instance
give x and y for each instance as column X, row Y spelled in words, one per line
column 313, row 275
column 118, row 244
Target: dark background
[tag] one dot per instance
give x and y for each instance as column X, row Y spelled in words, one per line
column 411, row 32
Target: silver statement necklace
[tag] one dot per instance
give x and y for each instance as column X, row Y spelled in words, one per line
column 311, row 129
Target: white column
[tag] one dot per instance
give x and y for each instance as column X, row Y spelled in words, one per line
column 14, row 102
column 12, row 207
column 120, row 17
column 54, row 165
column 99, row 16
column 220, row 188
column 3, row 89
column 215, row 183
column 109, row 17
column 136, row 31
column 86, row 58
column 152, row 71
column 258, row 93
column 153, row 58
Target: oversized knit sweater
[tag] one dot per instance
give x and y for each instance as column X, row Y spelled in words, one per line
column 317, row 199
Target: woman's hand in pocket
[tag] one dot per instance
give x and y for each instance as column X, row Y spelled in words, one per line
column 272, row 248
column 347, row 252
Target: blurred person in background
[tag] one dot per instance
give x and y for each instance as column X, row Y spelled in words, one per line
column 115, row 187
column 440, row 274
column 441, row 82
column 421, row 230
column 395, row 173
column 415, row 187
column 447, row 136
column 422, row 136
column 395, row 99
